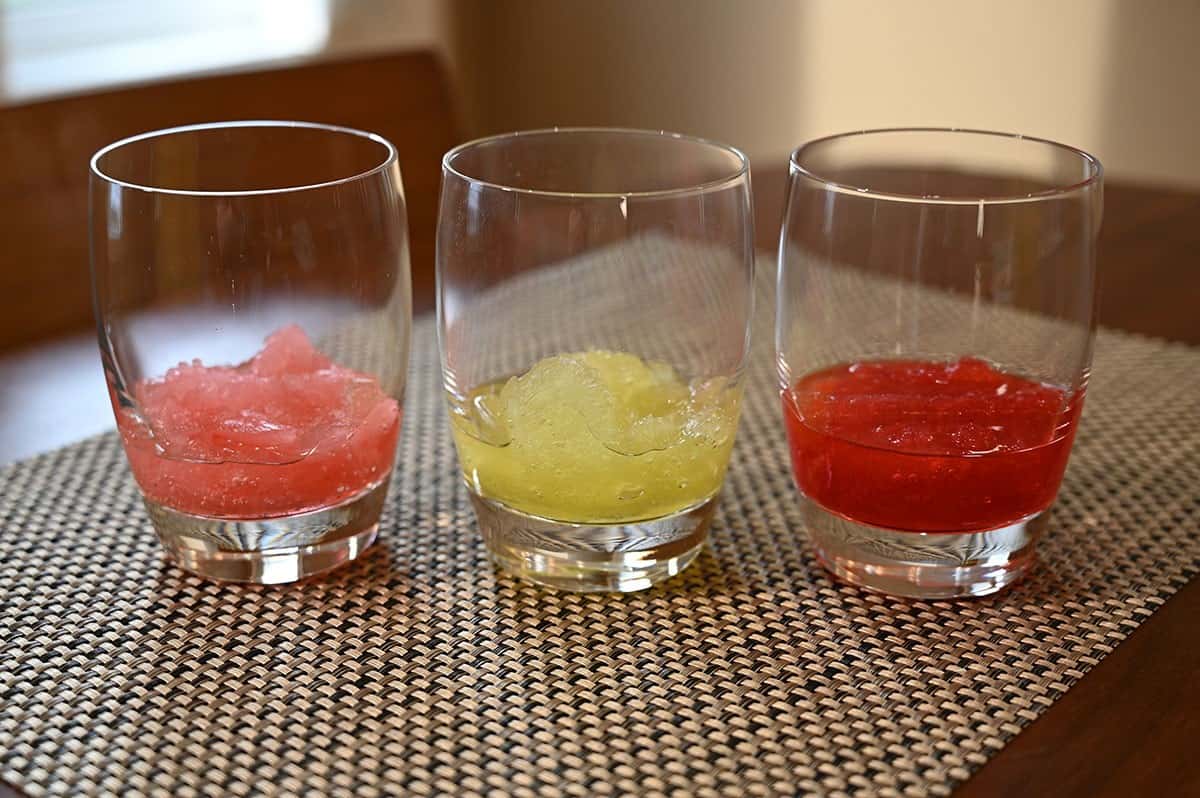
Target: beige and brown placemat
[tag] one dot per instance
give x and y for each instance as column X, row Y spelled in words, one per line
column 420, row 670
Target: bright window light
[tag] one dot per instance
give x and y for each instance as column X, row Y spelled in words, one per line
column 54, row 47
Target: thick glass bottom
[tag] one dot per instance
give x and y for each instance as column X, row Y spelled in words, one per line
column 269, row 551
column 619, row 558
column 919, row 564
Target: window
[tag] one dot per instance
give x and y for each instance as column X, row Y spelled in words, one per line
column 53, row 47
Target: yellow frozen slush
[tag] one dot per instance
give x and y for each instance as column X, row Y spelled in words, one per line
column 597, row 437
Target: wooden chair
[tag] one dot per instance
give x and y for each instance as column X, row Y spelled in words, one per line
column 45, row 148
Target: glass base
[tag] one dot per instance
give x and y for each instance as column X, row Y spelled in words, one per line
column 923, row 565
column 270, row 551
column 592, row 558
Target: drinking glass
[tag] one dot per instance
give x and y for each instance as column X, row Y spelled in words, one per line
column 594, row 300
column 936, row 309
column 252, row 301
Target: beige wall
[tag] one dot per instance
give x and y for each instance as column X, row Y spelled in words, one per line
column 1150, row 125
column 1118, row 77
column 1027, row 66
column 358, row 26
column 699, row 66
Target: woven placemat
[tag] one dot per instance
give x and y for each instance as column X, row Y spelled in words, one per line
column 420, row 670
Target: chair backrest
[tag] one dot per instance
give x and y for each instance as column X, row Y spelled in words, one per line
column 45, row 148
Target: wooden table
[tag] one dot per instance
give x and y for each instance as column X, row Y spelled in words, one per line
column 1129, row 726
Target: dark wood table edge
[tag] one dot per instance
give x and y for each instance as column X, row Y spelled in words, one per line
column 1135, row 714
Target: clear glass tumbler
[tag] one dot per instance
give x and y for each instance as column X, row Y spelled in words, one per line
column 253, row 307
column 594, row 300
column 936, row 310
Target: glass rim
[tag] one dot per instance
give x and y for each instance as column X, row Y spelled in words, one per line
column 1095, row 168
column 390, row 158
column 742, row 172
